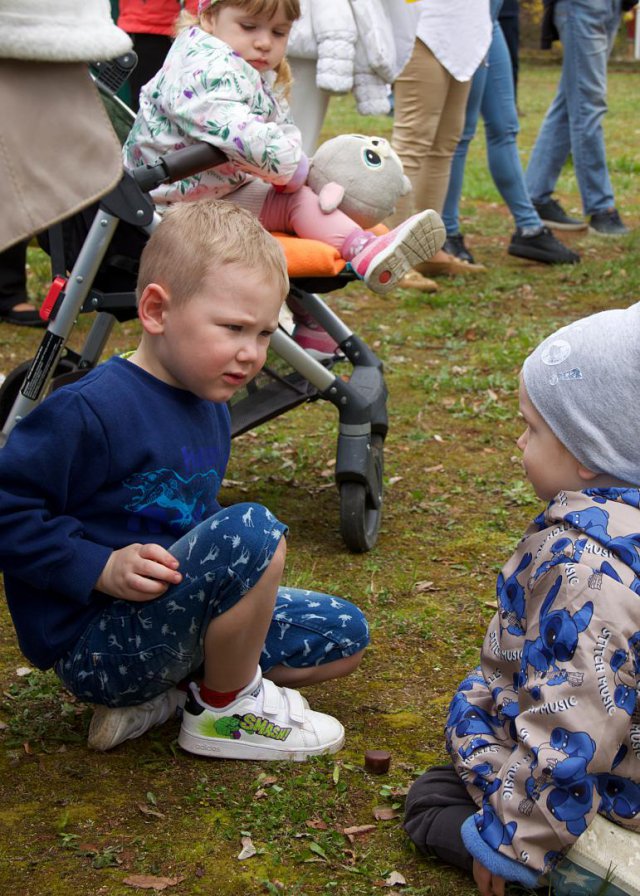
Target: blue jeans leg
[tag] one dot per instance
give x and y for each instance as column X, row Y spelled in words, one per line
column 310, row 628
column 492, row 95
column 451, row 207
column 573, row 123
column 134, row 650
column 500, row 116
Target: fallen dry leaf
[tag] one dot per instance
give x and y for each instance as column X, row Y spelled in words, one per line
column 148, row 810
column 357, row 831
column 248, row 849
column 267, row 780
column 151, row 882
column 317, row 825
column 421, row 587
column 395, row 879
column 384, row 813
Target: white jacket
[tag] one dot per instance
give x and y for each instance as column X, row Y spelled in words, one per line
column 355, row 43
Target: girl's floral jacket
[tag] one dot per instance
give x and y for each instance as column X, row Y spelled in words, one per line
column 206, row 92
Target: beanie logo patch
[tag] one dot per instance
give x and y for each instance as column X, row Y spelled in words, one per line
column 574, row 374
column 556, row 352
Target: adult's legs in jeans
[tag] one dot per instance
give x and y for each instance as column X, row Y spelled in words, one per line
column 573, row 122
column 498, row 108
column 492, row 95
column 437, row 805
column 451, row 208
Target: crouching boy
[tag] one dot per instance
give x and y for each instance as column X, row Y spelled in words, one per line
column 122, row 570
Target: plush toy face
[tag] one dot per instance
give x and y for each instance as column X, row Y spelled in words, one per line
column 369, row 172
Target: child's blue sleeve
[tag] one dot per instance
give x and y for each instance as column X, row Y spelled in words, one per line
column 494, row 861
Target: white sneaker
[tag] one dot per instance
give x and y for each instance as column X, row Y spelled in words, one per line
column 111, row 726
column 263, row 722
column 384, row 260
column 605, row 859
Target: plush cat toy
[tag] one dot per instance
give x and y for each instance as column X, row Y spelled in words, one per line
column 362, row 176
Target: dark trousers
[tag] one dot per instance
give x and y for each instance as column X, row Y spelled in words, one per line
column 151, row 50
column 509, row 20
column 13, row 276
column 437, row 806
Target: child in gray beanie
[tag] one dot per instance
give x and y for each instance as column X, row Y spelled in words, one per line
column 544, row 735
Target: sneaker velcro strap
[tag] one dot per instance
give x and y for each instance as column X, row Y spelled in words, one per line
column 272, row 698
column 275, row 700
column 296, row 705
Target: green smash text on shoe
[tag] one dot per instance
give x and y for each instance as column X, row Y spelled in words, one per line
column 231, row 726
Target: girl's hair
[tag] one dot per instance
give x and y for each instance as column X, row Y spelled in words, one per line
column 290, row 8
column 194, row 237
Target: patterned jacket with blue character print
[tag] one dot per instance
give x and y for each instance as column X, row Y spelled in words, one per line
column 545, row 733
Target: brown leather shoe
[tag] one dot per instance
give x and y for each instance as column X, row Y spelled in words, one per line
column 444, row 265
column 415, row 280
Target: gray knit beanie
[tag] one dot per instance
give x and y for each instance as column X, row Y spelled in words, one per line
column 584, row 381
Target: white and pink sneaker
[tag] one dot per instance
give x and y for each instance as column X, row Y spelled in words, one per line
column 384, row 260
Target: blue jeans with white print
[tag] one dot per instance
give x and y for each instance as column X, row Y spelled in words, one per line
column 134, row 651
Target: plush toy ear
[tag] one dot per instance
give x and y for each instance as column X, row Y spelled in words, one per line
column 330, row 197
column 406, row 185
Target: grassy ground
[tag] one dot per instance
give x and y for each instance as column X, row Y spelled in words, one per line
column 75, row 822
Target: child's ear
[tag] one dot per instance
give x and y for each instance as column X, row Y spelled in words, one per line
column 152, row 306
column 585, row 473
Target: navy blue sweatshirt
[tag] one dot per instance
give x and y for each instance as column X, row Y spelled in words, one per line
column 116, row 458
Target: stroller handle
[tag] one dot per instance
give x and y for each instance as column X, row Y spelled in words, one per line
column 178, row 165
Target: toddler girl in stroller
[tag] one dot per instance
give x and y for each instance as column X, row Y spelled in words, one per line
column 224, row 83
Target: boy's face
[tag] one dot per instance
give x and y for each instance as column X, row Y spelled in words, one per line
column 216, row 342
column 260, row 41
column 549, row 466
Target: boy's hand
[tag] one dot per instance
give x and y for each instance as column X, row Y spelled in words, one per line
column 488, row 883
column 139, row 572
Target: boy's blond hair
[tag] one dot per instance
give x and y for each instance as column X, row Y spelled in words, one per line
column 195, row 237
column 290, row 8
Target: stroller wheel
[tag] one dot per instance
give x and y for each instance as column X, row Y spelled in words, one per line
column 361, row 504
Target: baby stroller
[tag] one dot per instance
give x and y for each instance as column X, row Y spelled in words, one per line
column 103, row 267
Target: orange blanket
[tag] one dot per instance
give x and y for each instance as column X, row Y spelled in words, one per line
column 311, row 258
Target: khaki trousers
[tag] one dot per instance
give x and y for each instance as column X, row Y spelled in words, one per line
column 428, row 120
